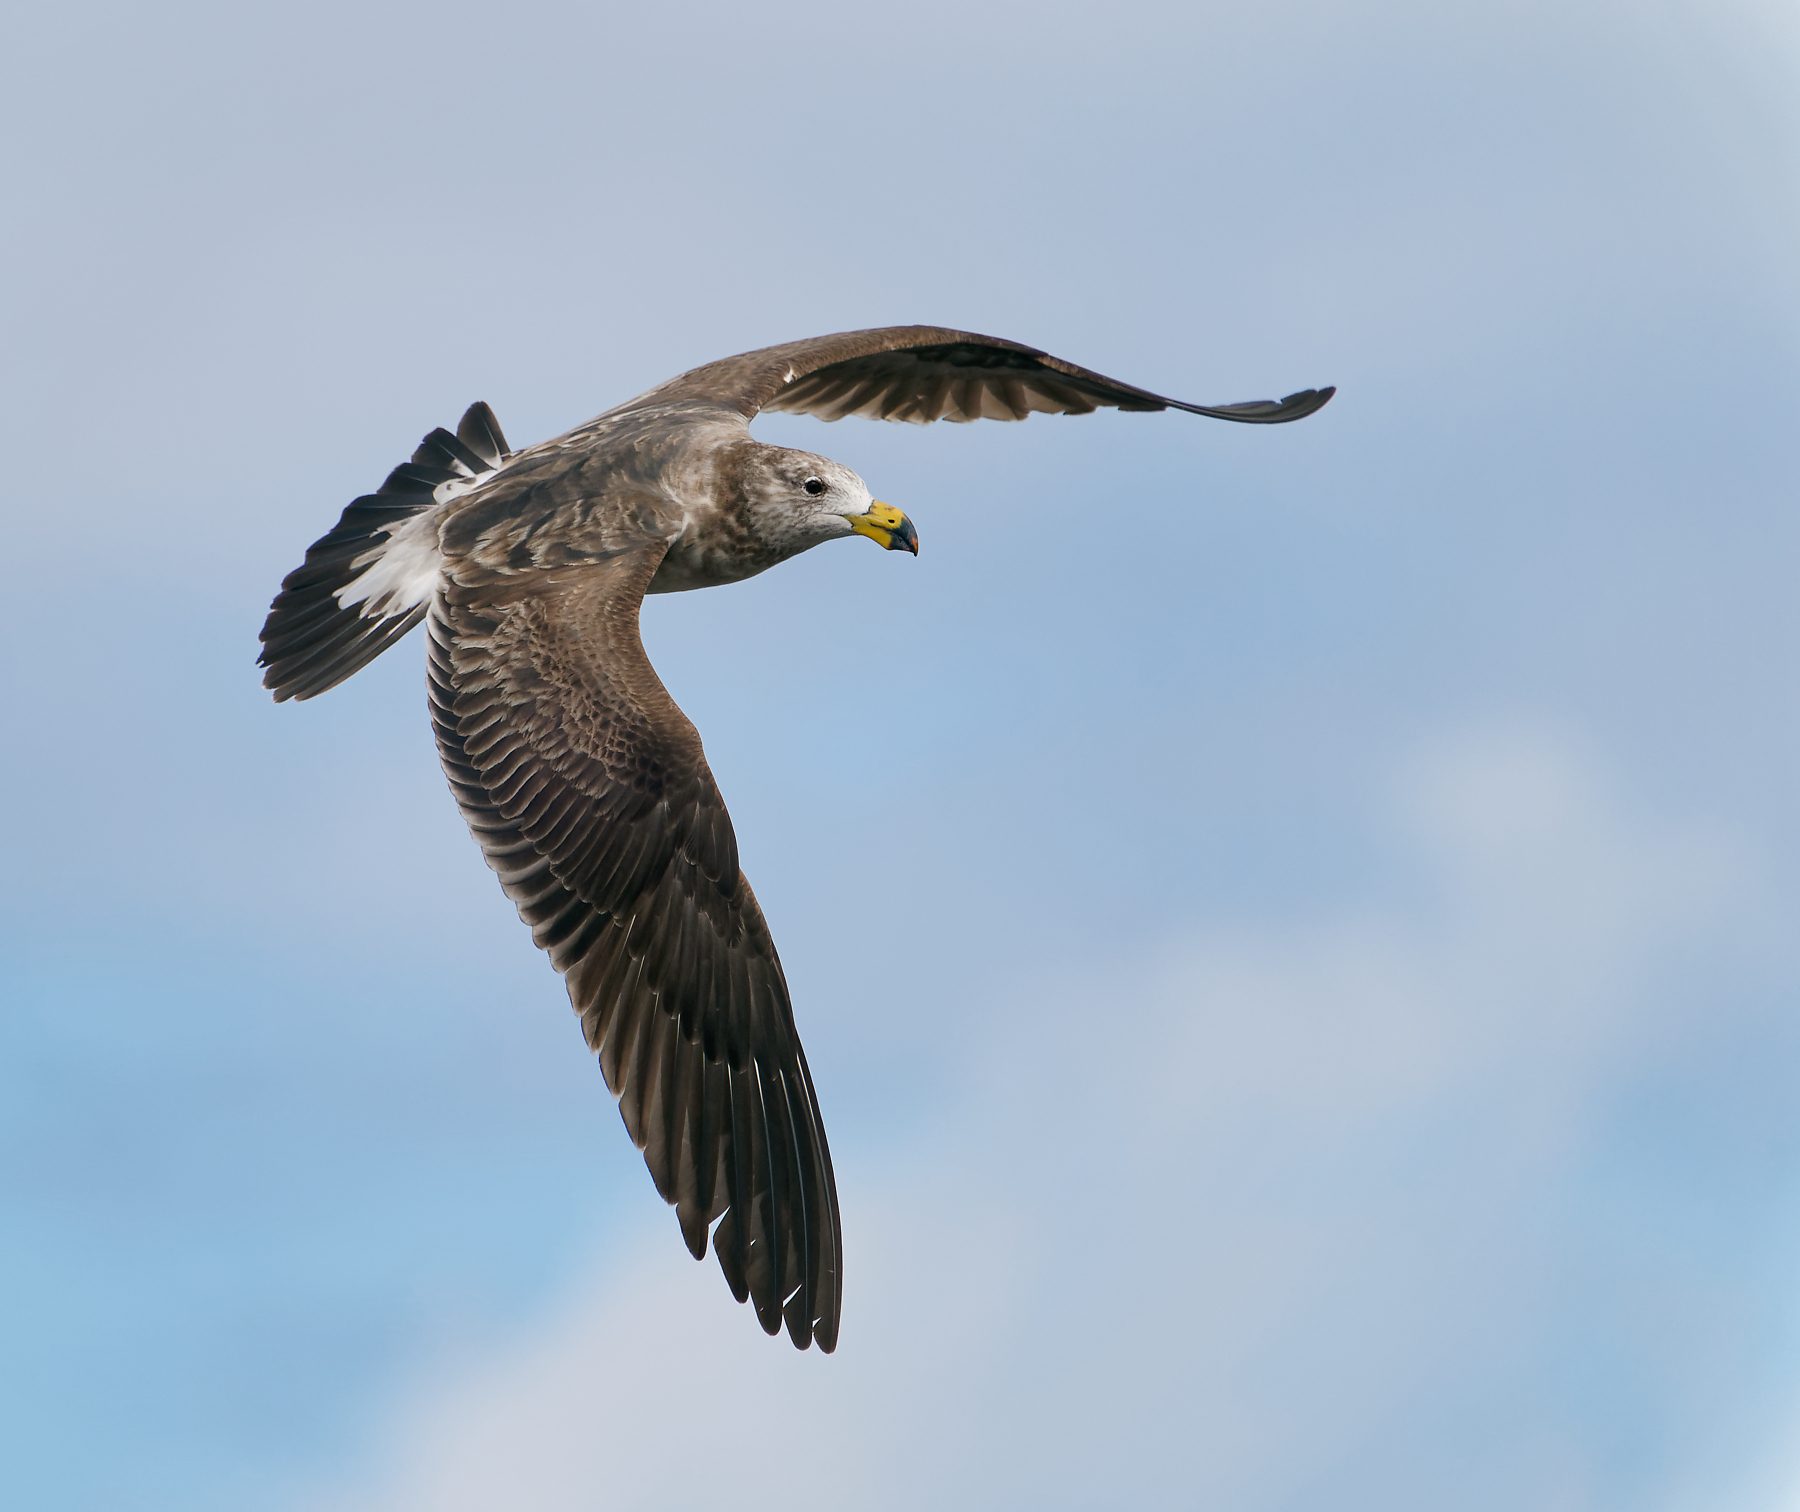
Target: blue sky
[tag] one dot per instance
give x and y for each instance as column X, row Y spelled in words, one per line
column 1331, row 1038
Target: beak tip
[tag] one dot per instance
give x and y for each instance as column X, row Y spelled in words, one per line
column 887, row 526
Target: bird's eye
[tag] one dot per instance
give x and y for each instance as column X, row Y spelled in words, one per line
column 814, row 485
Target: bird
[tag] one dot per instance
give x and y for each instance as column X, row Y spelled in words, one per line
column 586, row 786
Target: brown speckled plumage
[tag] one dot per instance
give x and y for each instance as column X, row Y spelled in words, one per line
column 587, row 787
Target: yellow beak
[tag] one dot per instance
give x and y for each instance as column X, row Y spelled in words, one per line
column 887, row 527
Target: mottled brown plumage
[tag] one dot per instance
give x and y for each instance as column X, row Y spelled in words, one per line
column 587, row 787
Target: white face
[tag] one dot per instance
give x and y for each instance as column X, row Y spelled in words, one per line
column 810, row 496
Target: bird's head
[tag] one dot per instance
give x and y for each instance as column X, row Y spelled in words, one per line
column 806, row 499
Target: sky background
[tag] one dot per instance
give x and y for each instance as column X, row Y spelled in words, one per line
column 1293, row 928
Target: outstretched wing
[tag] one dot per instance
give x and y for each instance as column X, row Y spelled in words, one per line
column 592, row 800
column 923, row 373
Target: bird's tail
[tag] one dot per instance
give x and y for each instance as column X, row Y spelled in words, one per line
column 370, row 579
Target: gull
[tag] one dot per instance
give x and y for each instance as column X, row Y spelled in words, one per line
column 587, row 787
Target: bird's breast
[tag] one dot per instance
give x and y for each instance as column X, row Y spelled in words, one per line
column 708, row 553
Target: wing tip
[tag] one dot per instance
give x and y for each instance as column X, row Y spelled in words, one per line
column 1309, row 401
column 1295, row 406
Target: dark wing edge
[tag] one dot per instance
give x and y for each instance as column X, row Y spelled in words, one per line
column 925, row 373
column 590, row 796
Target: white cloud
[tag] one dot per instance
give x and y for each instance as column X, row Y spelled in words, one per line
column 1279, row 1217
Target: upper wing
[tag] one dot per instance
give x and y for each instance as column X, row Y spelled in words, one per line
column 591, row 798
column 923, row 373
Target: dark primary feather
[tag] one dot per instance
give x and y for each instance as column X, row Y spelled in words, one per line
column 925, row 373
column 592, row 800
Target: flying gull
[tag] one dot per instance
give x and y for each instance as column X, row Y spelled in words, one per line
column 583, row 782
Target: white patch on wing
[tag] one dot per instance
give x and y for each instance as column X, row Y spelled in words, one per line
column 398, row 574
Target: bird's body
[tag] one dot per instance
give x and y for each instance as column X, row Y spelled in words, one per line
column 587, row 787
